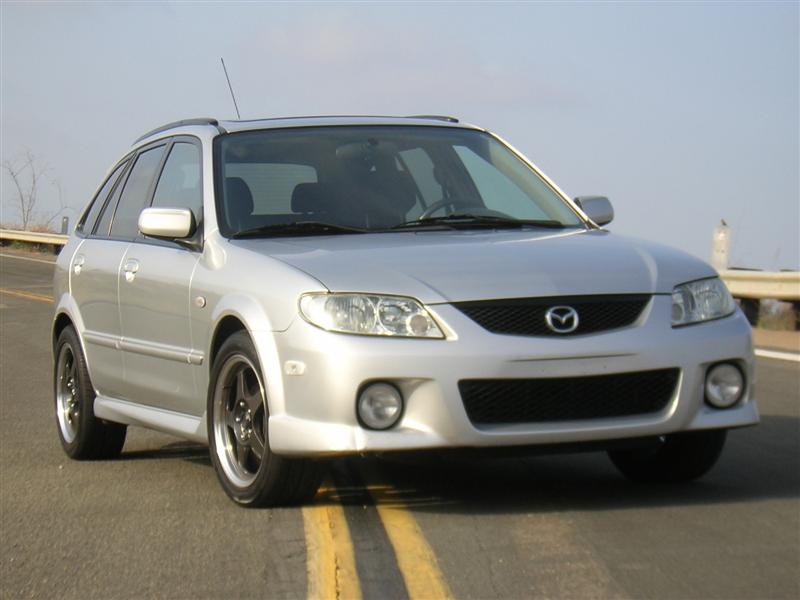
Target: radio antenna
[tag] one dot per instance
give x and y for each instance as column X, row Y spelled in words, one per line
column 230, row 87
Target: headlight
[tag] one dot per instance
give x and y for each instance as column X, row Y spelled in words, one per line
column 369, row 315
column 701, row 300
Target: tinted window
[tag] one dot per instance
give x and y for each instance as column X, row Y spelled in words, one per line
column 417, row 162
column 374, row 178
column 498, row 190
column 179, row 185
column 87, row 223
column 272, row 184
column 420, row 165
column 134, row 196
column 104, row 222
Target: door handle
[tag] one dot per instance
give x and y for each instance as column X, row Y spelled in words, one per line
column 77, row 264
column 130, row 269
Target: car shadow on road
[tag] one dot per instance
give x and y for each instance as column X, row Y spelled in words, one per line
column 189, row 451
column 758, row 463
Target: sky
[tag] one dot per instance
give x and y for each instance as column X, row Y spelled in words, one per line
column 682, row 113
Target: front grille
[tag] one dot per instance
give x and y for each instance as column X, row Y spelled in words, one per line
column 526, row 316
column 495, row 401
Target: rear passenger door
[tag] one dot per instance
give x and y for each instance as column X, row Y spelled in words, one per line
column 154, row 294
column 94, row 271
column 116, row 228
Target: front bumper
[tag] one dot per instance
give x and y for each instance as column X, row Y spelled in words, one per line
column 312, row 399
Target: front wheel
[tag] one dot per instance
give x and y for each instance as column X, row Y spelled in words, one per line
column 238, row 433
column 678, row 457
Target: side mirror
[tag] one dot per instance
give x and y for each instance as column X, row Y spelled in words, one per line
column 169, row 223
column 597, row 208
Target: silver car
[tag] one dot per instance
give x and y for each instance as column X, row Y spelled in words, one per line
column 287, row 290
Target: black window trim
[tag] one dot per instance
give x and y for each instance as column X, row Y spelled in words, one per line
column 131, row 158
column 126, row 161
column 148, row 196
column 195, row 243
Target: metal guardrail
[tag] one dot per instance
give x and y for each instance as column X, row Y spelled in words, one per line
column 783, row 285
column 54, row 239
column 742, row 284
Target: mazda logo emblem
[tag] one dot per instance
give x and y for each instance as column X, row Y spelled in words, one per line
column 561, row 319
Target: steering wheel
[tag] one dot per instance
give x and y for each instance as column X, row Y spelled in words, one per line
column 426, row 214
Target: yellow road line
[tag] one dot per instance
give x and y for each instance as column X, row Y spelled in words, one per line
column 26, row 295
column 28, row 258
column 415, row 558
column 331, row 564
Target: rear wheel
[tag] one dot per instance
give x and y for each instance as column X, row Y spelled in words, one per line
column 82, row 435
column 238, row 434
column 679, row 457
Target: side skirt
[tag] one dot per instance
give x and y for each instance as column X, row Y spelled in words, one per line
column 129, row 413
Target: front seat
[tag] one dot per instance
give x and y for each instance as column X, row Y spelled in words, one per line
column 239, row 203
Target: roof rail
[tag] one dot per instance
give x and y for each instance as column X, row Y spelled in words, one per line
column 435, row 118
column 174, row 124
column 296, row 117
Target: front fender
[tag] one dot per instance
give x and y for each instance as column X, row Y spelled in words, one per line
column 249, row 311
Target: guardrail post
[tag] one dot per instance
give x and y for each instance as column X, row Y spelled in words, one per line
column 720, row 246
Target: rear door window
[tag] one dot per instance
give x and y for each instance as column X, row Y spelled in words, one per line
column 88, row 222
column 135, row 195
column 104, row 222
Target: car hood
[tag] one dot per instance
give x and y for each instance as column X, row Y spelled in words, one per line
column 448, row 266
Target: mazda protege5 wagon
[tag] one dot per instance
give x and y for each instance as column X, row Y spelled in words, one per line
column 287, row 290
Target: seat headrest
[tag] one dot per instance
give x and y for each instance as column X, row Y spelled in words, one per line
column 313, row 198
column 239, row 196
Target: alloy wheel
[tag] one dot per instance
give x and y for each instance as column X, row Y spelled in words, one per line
column 239, row 420
column 67, row 399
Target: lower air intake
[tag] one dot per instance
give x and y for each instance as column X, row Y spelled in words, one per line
column 506, row 401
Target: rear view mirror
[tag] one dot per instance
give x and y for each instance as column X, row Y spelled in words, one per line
column 169, row 223
column 597, row 208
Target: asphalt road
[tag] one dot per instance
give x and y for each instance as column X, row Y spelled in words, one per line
column 156, row 523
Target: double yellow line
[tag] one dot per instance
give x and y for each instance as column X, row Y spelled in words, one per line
column 332, row 573
column 331, row 563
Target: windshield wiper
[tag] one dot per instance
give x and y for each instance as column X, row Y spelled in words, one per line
column 297, row 228
column 470, row 220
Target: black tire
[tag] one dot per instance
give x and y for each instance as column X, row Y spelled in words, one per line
column 82, row 435
column 680, row 457
column 236, row 438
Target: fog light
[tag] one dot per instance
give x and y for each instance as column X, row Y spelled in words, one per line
column 724, row 385
column 380, row 405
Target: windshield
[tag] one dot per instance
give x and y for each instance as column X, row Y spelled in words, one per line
column 376, row 178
